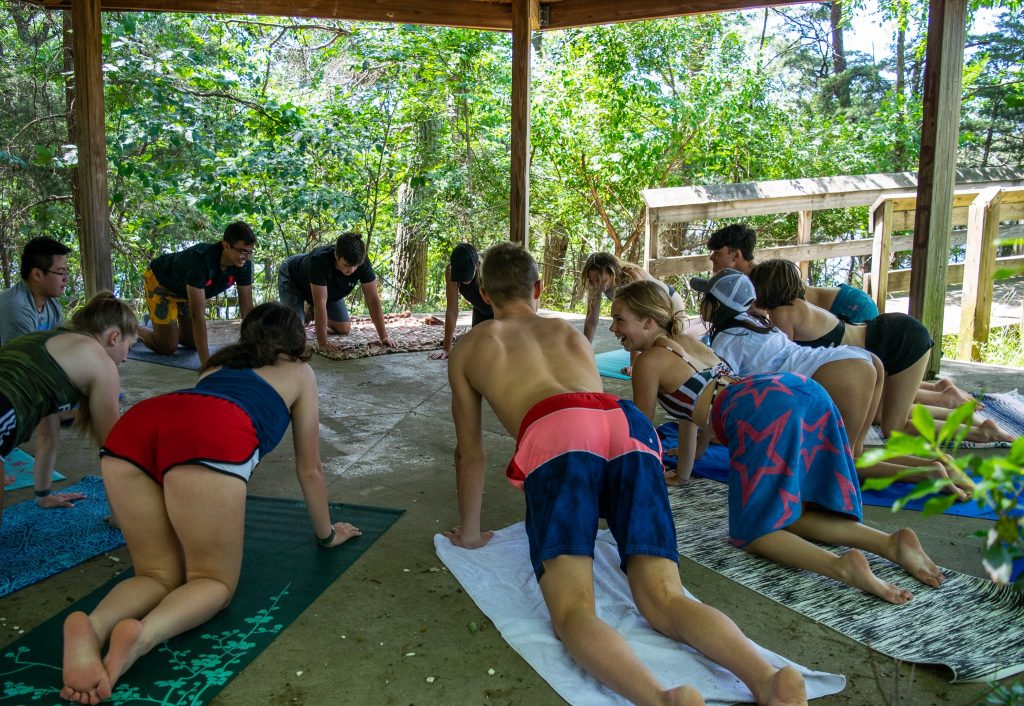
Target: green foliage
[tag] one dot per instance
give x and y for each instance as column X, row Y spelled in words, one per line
column 307, row 128
column 999, row 488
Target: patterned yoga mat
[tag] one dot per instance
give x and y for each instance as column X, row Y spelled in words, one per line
column 968, row 624
column 36, row 544
column 410, row 332
column 283, row 572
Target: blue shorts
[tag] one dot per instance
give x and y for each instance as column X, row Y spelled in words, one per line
column 599, row 457
column 853, row 305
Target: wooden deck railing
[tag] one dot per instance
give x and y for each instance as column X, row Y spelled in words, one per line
column 981, row 197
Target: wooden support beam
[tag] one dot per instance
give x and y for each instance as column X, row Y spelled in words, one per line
column 471, row 14
column 881, row 253
column 94, row 223
column 943, row 83
column 651, row 249
column 519, row 205
column 803, row 237
column 979, row 267
column 579, row 13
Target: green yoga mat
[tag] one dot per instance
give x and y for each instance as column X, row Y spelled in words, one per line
column 283, row 571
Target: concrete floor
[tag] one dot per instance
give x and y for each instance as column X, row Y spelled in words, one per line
column 387, row 439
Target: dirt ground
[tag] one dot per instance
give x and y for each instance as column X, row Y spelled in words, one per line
column 387, row 439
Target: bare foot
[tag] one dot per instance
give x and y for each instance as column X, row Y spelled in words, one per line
column 682, row 696
column 955, row 397
column 990, row 431
column 855, row 571
column 84, row 676
column 905, row 549
column 125, row 648
column 786, row 689
column 959, row 485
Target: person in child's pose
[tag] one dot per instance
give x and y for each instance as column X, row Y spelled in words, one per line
column 901, row 342
column 582, row 454
column 46, row 372
column 791, row 475
column 752, row 346
column 175, row 468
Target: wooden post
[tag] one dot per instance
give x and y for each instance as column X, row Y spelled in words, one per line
column 881, row 251
column 651, row 249
column 943, row 82
column 519, row 206
column 979, row 267
column 94, row 226
column 803, row 237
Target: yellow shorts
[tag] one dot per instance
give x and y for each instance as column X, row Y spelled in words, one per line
column 165, row 307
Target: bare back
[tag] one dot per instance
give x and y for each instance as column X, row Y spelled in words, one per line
column 515, row 362
column 802, row 321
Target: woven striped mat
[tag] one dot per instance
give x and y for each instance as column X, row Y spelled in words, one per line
column 968, row 624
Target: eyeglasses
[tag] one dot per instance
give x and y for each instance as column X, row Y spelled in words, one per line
column 247, row 254
column 63, row 274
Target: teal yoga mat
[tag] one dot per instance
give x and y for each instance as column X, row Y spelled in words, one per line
column 283, row 572
column 610, row 363
column 19, row 465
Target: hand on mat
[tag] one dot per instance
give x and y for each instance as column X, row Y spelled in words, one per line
column 9, row 479
column 59, row 500
column 343, row 531
column 628, row 370
column 456, row 537
column 387, row 343
column 439, row 355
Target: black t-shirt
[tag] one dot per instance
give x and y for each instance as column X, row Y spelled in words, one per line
column 471, row 293
column 199, row 266
column 318, row 268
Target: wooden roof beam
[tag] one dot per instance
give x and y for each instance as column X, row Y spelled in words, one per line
column 581, row 13
column 469, row 14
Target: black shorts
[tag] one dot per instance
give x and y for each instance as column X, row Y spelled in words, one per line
column 898, row 340
column 8, row 428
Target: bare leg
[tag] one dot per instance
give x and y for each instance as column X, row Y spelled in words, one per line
column 207, row 511
column 855, row 387
column 187, row 335
column 943, row 393
column 898, row 395
column 156, row 556
column 568, row 588
column 962, row 487
column 656, row 587
column 901, row 547
column 851, row 568
column 983, row 431
column 162, row 338
column 342, row 327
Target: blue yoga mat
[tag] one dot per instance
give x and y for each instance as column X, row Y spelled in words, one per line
column 19, row 464
column 36, row 544
column 609, row 364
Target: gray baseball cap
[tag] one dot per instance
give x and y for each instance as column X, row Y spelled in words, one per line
column 731, row 288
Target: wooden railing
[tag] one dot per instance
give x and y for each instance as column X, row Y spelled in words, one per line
column 982, row 197
column 981, row 210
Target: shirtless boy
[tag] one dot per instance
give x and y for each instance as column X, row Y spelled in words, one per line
column 580, row 455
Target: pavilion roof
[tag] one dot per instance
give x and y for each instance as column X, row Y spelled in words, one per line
column 474, row 14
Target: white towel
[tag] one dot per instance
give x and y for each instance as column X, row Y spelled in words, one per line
column 499, row 578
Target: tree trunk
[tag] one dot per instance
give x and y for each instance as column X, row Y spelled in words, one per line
column 841, row 88
column 69, row 101
column 899, row 153
column 410, row 249
column 414, row 199
column 556, row 243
